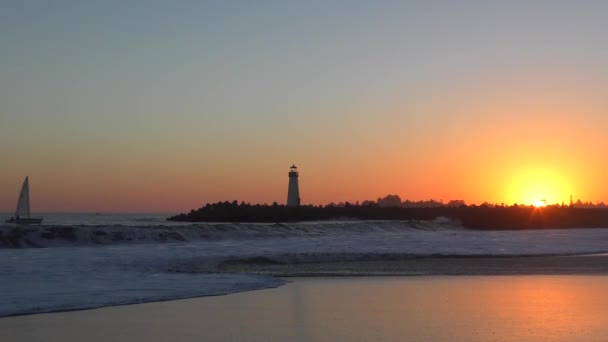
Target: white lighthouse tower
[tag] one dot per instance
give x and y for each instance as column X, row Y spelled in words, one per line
column 293, row 193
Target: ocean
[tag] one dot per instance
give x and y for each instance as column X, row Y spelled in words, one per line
column 80, row 261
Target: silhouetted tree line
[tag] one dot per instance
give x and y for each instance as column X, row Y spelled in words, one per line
column 474, row 217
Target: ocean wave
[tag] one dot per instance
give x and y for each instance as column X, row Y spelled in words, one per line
column 69, row 235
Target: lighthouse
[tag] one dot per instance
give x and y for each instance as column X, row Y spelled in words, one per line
column 293, row 193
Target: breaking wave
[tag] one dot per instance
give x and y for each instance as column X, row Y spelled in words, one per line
column 66, row 235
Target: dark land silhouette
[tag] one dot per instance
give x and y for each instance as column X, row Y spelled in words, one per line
column 483, row 217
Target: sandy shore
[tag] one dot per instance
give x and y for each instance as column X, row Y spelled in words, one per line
column 548, row 298
column 430, row 308
column 539, row 265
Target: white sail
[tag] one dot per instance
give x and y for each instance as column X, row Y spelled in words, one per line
column 23, row 204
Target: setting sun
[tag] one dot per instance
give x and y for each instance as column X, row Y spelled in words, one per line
column 539, row 187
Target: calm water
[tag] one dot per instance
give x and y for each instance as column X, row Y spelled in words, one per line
column 461, row 308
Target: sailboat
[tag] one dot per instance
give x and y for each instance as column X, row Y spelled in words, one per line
column 22, row 214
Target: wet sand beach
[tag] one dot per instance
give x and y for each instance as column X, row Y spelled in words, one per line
column 427, row 308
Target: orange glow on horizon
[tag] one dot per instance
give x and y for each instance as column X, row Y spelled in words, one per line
column 539, row 187
column 491, row 148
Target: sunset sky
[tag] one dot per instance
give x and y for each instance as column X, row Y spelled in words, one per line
column 163, row 106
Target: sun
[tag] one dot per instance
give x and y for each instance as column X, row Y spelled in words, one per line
column 538, row 187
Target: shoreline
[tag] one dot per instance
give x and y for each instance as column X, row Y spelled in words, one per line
column 393, row 266
column 381, row 265
column 589, row 264
column 431, row 308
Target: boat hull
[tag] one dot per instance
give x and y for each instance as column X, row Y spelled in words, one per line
column 24, row 220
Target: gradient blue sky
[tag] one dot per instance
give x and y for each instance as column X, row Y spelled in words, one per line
column 167, row 105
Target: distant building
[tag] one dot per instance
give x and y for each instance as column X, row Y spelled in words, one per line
column 293, row 192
